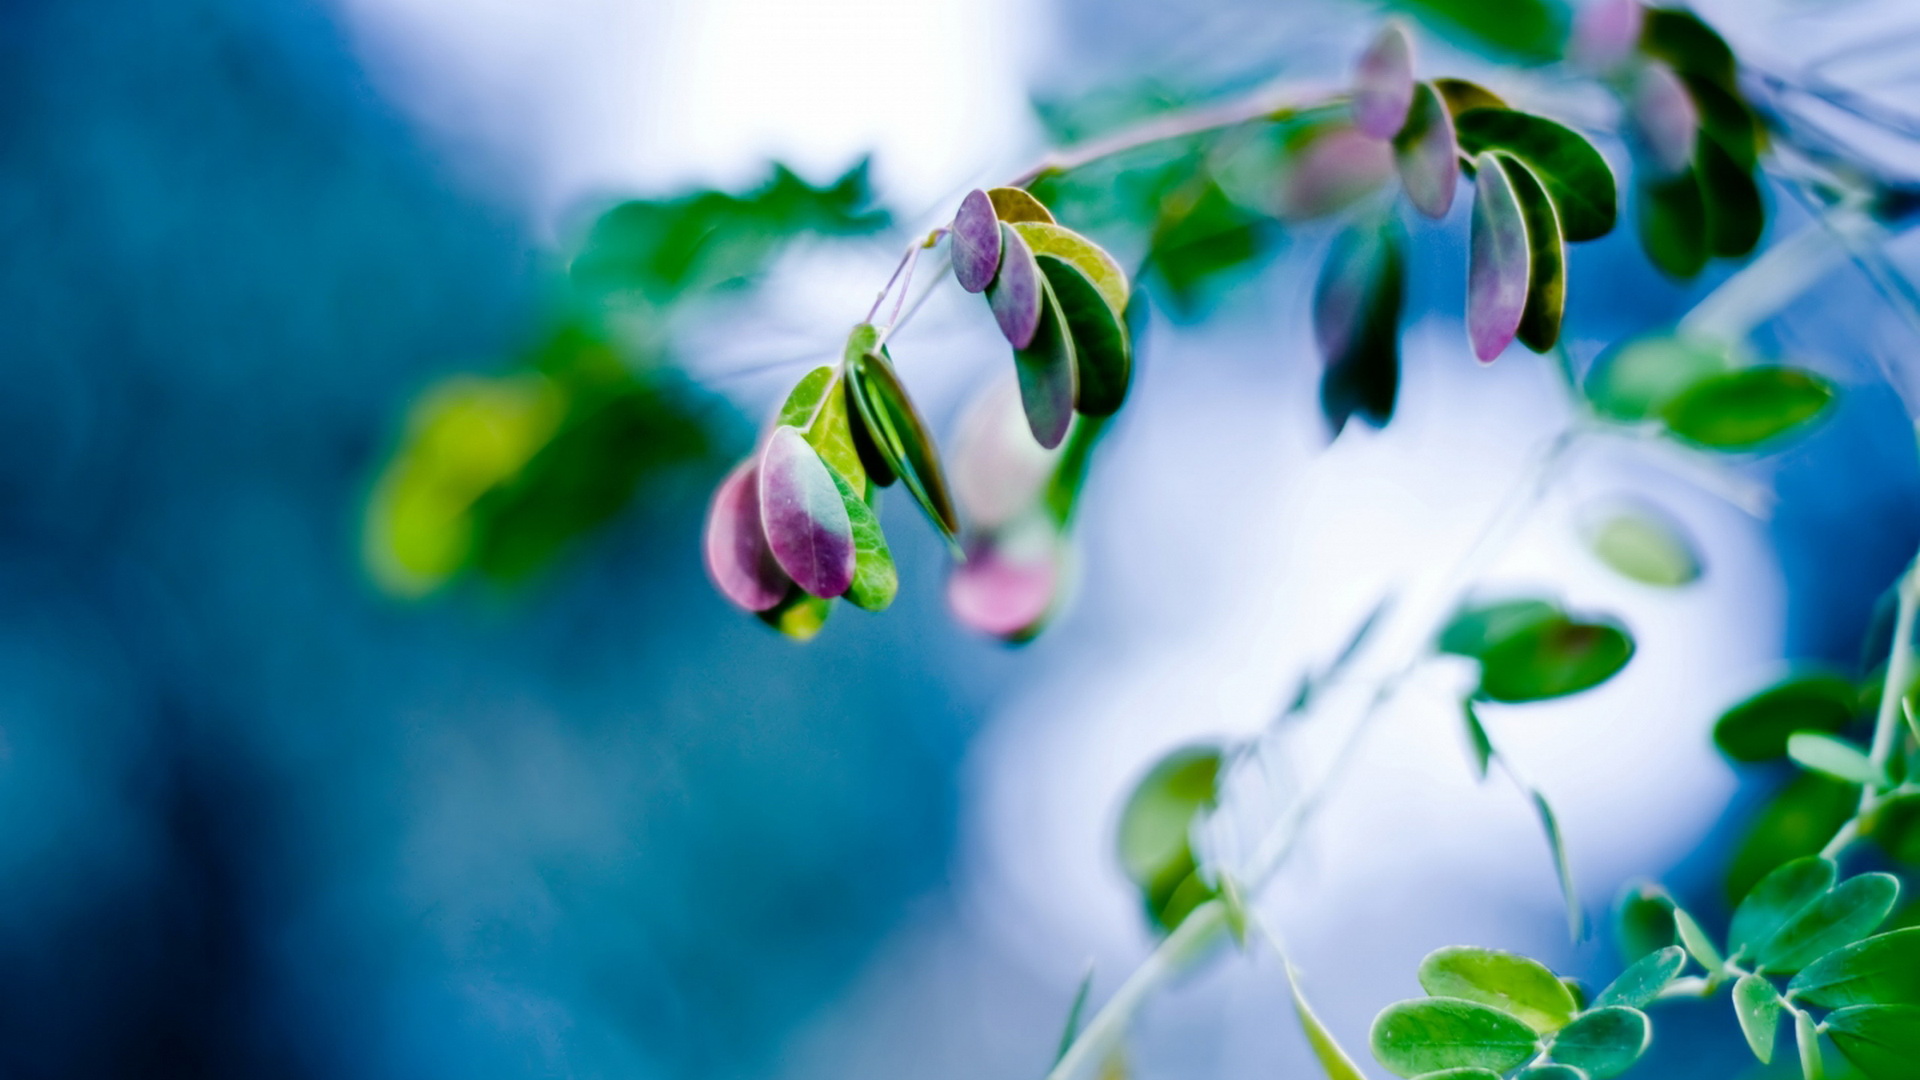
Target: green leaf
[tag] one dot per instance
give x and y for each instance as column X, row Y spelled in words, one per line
column 1461, row 95
column 1476, row 628
column 1604, row 1042
column 1644, row 917
column 1048, row 373
column 1547, row 259
column 1155, row 828
column 1083, row 255
column 1062, row 494
column 1635, row 381
column 1102, row 355
column 1808, row 1037
column 1568, row 166
column 1477, row 737
column 800, row 616
column 901, row 436
column 803, row 401
column 1071, row 1030
column 1727, row 121
column 1758, row 1008
column 1553, row 658
column 1735, row 214
column 1429, row 1034
column 1645, row 545
column 1779, row 896
column 1550, row 1071
column 875, row 580
column 1563, row 869
column 1843, row 916
column 1881, row 970
column 1894, row 824
column 1698, row 944
column 1011, row 204
column 1356, row 323
column 1833, row 757
column 1526, row 29
column 1334, row 1060
column 1882, row 1041
column 1671, row 219
column 1687, row 44
column 1742, row 409
column 1643, row 980
column 1516, row 985
column 1757, row 729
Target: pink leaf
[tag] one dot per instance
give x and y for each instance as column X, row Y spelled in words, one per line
column 738, row 558
column 1498, row 261
column 806, row 522
column 1383, row 84
column 975, row 240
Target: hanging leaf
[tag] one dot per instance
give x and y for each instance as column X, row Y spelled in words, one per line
column 1639, row 985
column 1757, row 729
column 805, row 519
column 1356, row 322
column 1498, row 261
column 1807, row 1035
column 1334, row 1060
column 1746, row 408
column 1102, row 355
column 1645, row 545
column 1851, row 911
column 1882, row 1041
column 1016, row 295
column 1017, row 204
column 1735, row 215
column 1727, row 121
column 1045, row 238
column 1516, row 985
column 875, row 580
column 1636, row 380
column 1009, row 583
column 1833, row 757
column 1428, row 1034
column 974, row 242
column 1426, row 154
column 799, row 617
column 1781, row 895
column 1477, row 628
column 1553, row 658
column 1477, row 738
column 817, row 405
column 1882, row 970
column 1894, row 823
column 1605, row 1042
column 1156, row 825
column 1689, row 45
column 1664, row 116
column 1644, row 919
column 901, row 437
column 1547, row 258
column 1672, row 222
column 1461, row 95
column 1383, row 83
column 1562, row 866
column 1758, row 1008
column 1071, row 1030
column 738, row 559
column 1046, row 370
column 1571, row 170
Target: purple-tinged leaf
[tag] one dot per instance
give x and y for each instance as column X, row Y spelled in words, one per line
column 1427, row 154
column 998, row 470
column 1498, row 262
column 975, row 240
column 1049, row 377
column 1383, row 83
column 1015, row 293
column 1333, row 169
column 1011, row 204
column 1008, row 584
column 806, row 523
column 738, row 558
column 1664, row 116
column 1605, row 33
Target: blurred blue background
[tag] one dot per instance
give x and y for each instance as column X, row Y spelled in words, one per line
column 263, row 820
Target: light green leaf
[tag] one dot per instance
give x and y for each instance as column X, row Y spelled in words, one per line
column 1882, row 1041
column 1833, row 756
column 1011, row 204
column 1843, row 916
column 1757, row 728
column 1083, row 255
column 1645, row 545
column 803, row 401
column 1521, row 987
column 1604, row 1042
column 1779, row 896
column 1882, row 970
column 1698, row 944
column 875, row 580
column 1155, row 829
column 1642, row 982
column 1634, row 381
column 1428, row 1034
column 1572, row 171
column 1477, row 736
column 1747, row 408
column 1576, row 921
column 1334, row 1060
column 1808, row 1038
column 800, row 616
column 831, row 434
column 1552, row 658
column 1758, row 1007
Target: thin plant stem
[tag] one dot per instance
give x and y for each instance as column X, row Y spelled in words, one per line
column 1886, row 720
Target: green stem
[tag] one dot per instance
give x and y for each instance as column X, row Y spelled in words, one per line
column 1886, row 721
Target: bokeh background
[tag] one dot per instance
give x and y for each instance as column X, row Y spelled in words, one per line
column 265, row 818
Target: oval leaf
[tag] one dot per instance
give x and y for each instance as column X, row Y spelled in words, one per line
column 1045, row 238
column 1743, row 409
column 1571, row 170
column 1643, row 980
column 1757, row 729
column 1012, row 204
column 1102, row 355
column 1331, row 168
column 1461, row 95
column 1664, row 116
column 901, row 437
column 1015, row 294
column 1644, row 545
column 831, row 434
column 1356, row 322
column 1672, row 222
column 1498, row 261
column 1383, row 83
column 1553, row 658
column 867, row 440
column 1009, row 582
column 1780, row 896
column 1882, row 1041
column 1479, row 627
column 1736, row 217
column 1882, row 970
column 1155, row 829
column 738, row 559
column 1758, row 1008
column 1427, row 155
column 1636, row 380
column 1046, row 370
column 1604, row 1042
column 1697, row 943
column 806, row 521
column 1547, row 261
column 803, row 401
column 975, row 242
column 1429, row 1034
column 1516, row 985
column 1835, row 757
column 875, row 579
column 1850, row 912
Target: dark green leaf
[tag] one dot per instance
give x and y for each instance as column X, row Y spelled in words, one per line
column 1743, row 409
column 1894, row 824
column 1833, row 756
column 1461, row 95
column 1757, row 728
column 1727, row 121
column 1552, row 658
column 1881, row 970
column 1635, row 380
column 1687, row 44
column 1570, row 169
column 1850, row 912
column 1428, row 1034
column 1779, row 896
column 1758, row 1008
column 1048, row 375
column 875, row 580
column 1102, row 355
column 1798, row 821
column 901, row 437
column 1155, row 828
column 1477, row 628
column 1672, row 222
column 1642, row 982
column 1521, row 987
column 1604, row 1042
column 1356, row 323
column 1062, row 493
column 1526, row 29
column 1547, row 261
column 1427, row 155
column 1735, row 215
column 1498, row 259
column 1644, row 918
column 1477, row 738
column 1882, row 1041
column 1200, row 235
